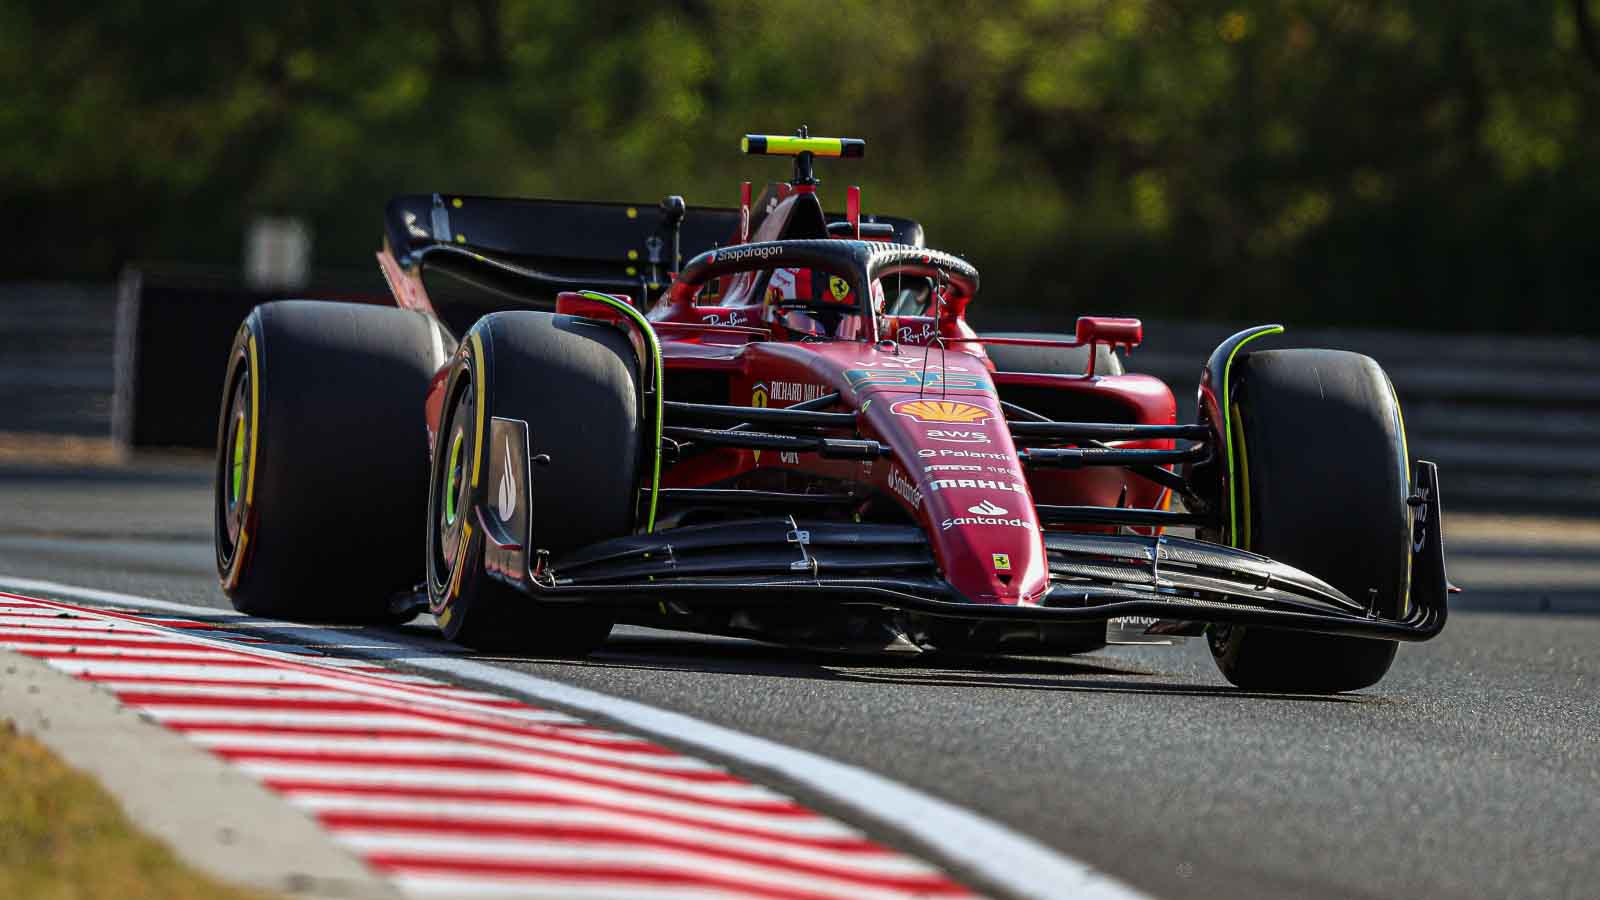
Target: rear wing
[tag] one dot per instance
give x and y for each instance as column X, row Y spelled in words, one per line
column 535, row 249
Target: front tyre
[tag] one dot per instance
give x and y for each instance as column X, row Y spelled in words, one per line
column 1320, row 453
column 575, row 383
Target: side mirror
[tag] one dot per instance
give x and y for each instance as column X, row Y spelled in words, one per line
column 1114, row 332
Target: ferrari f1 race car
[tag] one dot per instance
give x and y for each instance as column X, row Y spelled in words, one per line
column 795, row 435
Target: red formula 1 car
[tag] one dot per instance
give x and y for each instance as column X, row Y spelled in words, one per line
column 795, row 435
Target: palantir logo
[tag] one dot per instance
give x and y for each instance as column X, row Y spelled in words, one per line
column 987, row 509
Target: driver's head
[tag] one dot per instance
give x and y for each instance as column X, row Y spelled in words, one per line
column 809, row 286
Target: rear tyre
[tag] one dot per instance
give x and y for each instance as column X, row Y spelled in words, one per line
column 322, row 459
column 574, row 381
column 1050, row 360
column 1319, row 438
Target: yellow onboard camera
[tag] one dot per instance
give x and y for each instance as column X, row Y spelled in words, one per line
column 804, row 148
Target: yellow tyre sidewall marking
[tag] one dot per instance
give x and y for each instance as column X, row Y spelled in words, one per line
column 477, row 378
column 236, row 564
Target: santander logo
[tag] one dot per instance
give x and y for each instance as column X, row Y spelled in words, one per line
column 987, row 509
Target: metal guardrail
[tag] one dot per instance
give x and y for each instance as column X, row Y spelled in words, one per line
column 55, row 357
column 1514, row 423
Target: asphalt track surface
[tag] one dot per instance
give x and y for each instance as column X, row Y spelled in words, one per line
column 1473, row 770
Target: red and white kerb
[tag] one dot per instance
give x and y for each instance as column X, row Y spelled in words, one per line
column 454, row 791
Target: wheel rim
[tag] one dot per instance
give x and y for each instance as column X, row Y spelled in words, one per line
column 453, row 477
column 451, row 497
column 235, row 462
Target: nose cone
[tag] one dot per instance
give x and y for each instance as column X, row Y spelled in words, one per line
column 986, row 536
column 976, row 508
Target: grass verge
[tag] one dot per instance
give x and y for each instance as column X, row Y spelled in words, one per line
column 63, row 838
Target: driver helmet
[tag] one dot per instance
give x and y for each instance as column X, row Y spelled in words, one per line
column 809, row 285
column 825, row 292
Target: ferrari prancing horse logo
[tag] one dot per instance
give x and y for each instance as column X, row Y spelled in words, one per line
column 838, row 287
column 758, row 398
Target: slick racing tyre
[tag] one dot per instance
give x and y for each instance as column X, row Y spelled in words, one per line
column 1050, row 360
column 322, row 459
column 575, row 383
column 1320, row 449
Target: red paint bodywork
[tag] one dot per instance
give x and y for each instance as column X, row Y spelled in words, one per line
column 961, row 480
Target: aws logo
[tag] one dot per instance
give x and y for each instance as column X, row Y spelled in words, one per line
column 936, row 412
column 954, row 436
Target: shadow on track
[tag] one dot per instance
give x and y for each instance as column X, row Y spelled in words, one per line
column 710, row 654
column 1087, row 674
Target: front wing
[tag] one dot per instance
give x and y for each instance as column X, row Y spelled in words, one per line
column 785, row 561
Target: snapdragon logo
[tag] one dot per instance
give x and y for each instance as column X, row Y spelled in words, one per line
column 756, row 251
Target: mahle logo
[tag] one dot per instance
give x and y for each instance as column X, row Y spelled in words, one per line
column 940, row 484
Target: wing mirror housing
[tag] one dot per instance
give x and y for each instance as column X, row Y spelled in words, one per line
column 1112, row 331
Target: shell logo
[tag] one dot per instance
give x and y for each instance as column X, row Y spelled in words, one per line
column 945, row 412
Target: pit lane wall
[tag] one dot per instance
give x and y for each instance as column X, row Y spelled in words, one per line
column 1514, row 422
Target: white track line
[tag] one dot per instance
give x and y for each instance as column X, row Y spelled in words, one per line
column 1003, row 857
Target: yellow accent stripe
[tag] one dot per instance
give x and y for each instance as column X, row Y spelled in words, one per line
column 255, row 418
column 461, row 559
column 236, row 564
column 779, row 145
column 1405, row 463
column 1227, row 431
column 477, row 378
column 658, row 369
column 1244, row 476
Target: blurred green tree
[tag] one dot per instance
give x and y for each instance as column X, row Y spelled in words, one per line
column 1407, row 162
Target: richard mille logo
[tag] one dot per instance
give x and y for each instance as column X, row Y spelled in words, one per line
column 506, row 499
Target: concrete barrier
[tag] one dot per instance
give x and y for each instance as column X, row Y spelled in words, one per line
column 1513, row 422
column 174, row 328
